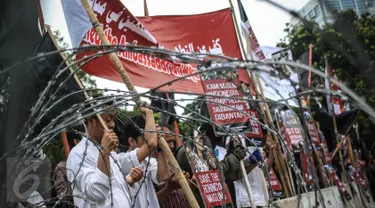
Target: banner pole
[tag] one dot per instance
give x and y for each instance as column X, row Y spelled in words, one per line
column 65, row 144
column 246, row 178
column 124, row 76
column 282, row 169
column 340, row 152
column 310, row 75
column 243, row 54
column 78, row 81
column 280, row 165
column 175, row 125
column 283, row 147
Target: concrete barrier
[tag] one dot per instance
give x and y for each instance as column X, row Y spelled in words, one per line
column 332, row 199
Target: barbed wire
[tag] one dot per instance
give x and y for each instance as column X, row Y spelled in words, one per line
column 69, row 116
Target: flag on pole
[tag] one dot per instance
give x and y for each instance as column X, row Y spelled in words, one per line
column 122, row 28
column 166, row 109
column 145, row 8
column 23, row 90
column 255, row 47
column 334, row 104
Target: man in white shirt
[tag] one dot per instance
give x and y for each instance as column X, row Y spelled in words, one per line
column 156, row 171
column 96, row 170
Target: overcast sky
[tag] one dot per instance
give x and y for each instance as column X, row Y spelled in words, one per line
column 267, row 21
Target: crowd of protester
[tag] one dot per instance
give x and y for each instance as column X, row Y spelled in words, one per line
column 124, row 166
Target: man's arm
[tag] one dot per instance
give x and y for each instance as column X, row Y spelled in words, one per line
column 144, row 151
column 163, row 193
column 231, row 166
column 172, row 185
column 163, row 168
column 62, row 185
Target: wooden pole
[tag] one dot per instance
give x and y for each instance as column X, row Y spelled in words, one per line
column 65, row 144
column 246, row 178
column 340, row 152
column 243, row 54
column 145, row 8
column 124, row 76
column 338, row 148
column 284, row 148
column 350, row 151
column 278, row 158
column 280, row 165
column 79, row 83
column 175, row 126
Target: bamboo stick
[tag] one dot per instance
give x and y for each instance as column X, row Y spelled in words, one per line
column 243, row 170
column 124, row 76
column 280, row 166
column 344, row 173
column 284, row 148
column 282, row 169
column 80, row 85
column 65, row 144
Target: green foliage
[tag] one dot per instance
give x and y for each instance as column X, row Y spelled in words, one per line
column 349, row 45
column 193, row 111
column 55, row 150
column 123, row 113
column 185, row 129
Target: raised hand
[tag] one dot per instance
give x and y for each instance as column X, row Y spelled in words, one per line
column 109, row 141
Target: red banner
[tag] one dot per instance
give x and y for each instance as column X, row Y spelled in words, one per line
column 145, row 70
column 292, row 135
column 215, row 34
column 228, row 111
column 276, row 185
column 211, row 188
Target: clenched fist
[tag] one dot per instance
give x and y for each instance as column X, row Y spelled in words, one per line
column 145, row 110
column 135, row 175
column 109, row 141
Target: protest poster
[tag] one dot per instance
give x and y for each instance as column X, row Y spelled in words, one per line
column 290, row 129
column 204, row 166
column 231, row 113
column 211, row 186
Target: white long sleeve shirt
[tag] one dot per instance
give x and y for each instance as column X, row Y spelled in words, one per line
column 256, row 178
column 146, row 197
column 91, row 187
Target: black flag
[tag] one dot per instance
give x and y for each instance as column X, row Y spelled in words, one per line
column 23, row 89
column 167, row 117
column 343, row 122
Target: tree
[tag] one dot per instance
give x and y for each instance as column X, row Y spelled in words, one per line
column 349, row 45
column 192, row 110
